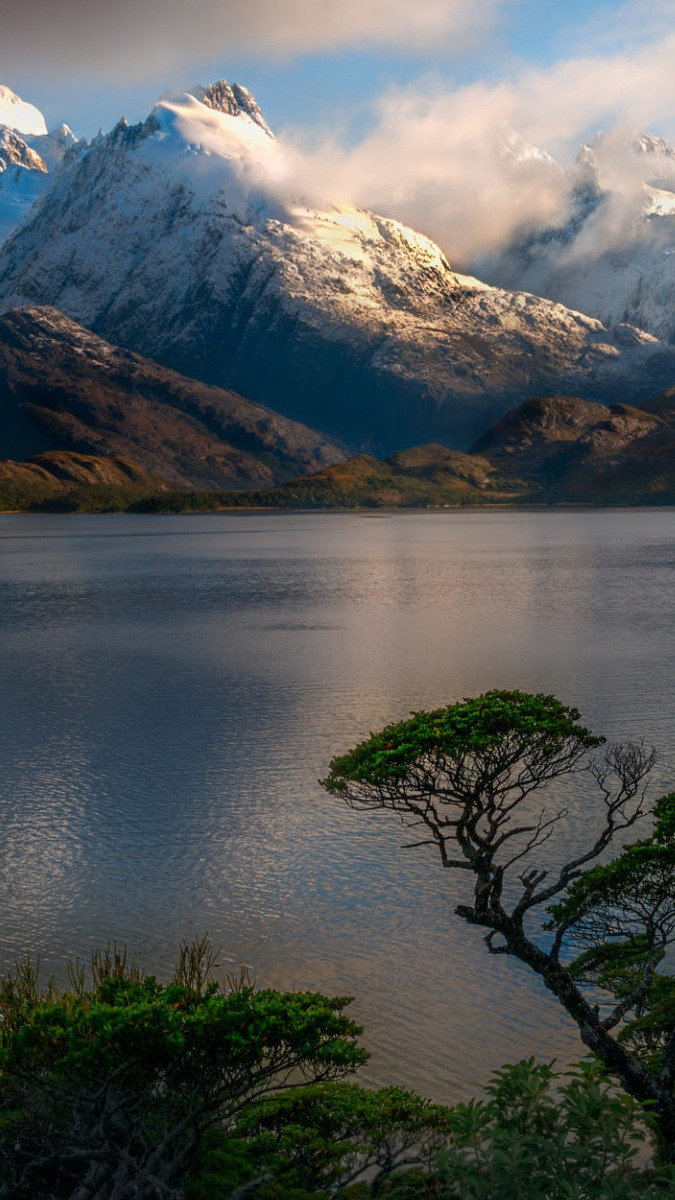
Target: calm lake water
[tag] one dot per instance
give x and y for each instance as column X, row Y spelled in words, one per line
column 173, row 688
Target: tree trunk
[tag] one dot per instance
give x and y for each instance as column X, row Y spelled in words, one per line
column 635, row 1079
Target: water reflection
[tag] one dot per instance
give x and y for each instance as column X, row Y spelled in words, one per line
column 172, row 689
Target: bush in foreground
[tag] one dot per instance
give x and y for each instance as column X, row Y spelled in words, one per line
column 108, row 1090
column 121, row 1088
column 537, row 1136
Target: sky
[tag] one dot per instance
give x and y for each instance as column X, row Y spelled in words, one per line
column 315, row 64
column 393, row 104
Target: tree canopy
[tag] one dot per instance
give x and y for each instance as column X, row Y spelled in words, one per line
column 122, row 1088
column 475, row 779
column 107, row 1088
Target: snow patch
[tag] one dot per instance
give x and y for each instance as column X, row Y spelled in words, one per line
column 19, row 115
column 210, row 149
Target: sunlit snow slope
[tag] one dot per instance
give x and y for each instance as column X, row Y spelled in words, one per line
column 15, row 113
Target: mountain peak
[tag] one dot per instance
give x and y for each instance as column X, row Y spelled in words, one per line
column 15, row 152
column 232, row 99
column 513, row 145
column 56, row 145
column 650, row 143
column 17, row 114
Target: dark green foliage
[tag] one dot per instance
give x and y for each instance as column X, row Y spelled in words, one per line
column 17, row 496
column 121, row 1088
column 498, row 729
column 529, row 1141
column 109, row 1088
column 475, row 779
column 38, row 497
column 621, row 916
column 537, row 1136
column 322, row 1138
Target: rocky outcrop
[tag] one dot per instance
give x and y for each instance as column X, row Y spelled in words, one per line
column 568, row 449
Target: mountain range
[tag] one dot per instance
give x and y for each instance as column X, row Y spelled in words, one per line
column 168, row 270
column 29, row 153
column 612, row 253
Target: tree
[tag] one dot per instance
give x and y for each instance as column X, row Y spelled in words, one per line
column 476, row 778
column 538, row 1137
column 126, row 1089
column 319, row 1140
column 107, row 1089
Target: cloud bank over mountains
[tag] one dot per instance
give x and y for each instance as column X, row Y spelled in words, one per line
column 445, row 161
column 454, row 160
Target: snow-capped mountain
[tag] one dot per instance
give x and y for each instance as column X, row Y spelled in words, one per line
column 513, row 145
column 53, row 147
column 181, row 238
column 614, row 255
column 28, row 153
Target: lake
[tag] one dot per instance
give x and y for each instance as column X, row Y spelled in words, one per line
column 174, row 687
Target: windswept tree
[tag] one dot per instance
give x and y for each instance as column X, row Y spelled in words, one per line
column 475, row 779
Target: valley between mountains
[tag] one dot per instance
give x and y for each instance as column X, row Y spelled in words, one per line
column 179, row 329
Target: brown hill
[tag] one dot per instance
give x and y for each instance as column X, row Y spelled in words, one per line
column 66, row 480
column 58, row 467
column 428, row 476
column 63, row 387
column 570, row 449
column 551, row 449
column 443, row 466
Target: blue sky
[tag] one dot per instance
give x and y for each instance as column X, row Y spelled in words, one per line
column 312, row 64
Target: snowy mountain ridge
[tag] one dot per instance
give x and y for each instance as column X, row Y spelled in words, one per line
column 15, row 152
column 54, row 146
column 16, row 114
column 182, row 238
column 232, row 99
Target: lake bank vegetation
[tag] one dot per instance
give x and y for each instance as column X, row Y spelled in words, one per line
column 549, row 450
column 120, row 1087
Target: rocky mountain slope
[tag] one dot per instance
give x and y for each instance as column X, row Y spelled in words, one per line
column 62, row 386
column 613, row 255
column 549, row 450
column 181, row 239
column 55, row 469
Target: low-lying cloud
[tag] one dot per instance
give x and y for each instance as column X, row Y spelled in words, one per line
column 445, row 162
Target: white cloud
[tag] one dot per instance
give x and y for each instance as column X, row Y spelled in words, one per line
column 134, row 39
column 435, row 159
